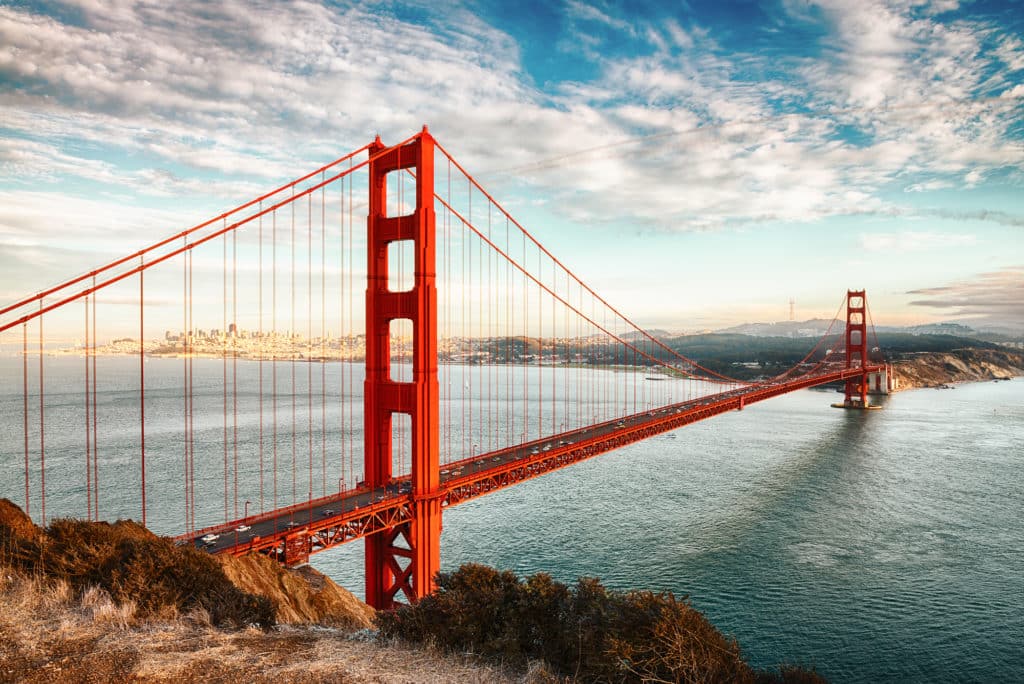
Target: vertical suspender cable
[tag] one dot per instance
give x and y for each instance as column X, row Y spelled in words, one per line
column 526, row 343
column 469, row 328
column 351, row 328
column 42, row 441
column 464, row 335
column 510, row 413
column 234, row 361
column 540, row 346
column 95, row 419
column 275, row 342
column 224, row 360
column 142, row 388
column 309, row 338
column 88, row 426
column 481, row 293
column 262, row 346
column 490, row 337
column 191, row 398
column 342, row 333
column 24, row 407
column 565, row 347
column 323, row 334
column 291, row 353
column 448, row 314
column 184, row 377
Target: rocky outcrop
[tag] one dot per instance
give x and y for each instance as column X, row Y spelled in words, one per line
column 935, row 369
column 299, row 596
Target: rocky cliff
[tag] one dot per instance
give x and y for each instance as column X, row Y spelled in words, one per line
column 299, row 596
column 934, row 369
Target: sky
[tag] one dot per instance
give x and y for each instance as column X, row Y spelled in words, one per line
column 724, row 157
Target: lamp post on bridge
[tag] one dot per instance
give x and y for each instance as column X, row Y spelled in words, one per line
column 246, row 514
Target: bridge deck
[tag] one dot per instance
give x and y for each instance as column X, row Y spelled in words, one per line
column 294, row 532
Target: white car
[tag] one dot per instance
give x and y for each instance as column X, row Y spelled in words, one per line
column 242, row 528
column 210, row 538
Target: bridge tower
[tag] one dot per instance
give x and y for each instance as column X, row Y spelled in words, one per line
column 405, row 558
column 856, row 348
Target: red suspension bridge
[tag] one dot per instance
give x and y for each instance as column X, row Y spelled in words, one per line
column 285, row 378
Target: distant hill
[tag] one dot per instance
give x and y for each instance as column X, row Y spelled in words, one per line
column 656, row 333
column 814, row 327
column 748, row 356
column 931, row 329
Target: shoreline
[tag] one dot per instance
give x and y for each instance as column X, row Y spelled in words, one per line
column 933, row 370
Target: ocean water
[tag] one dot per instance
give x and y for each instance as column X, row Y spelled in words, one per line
column 882, row 545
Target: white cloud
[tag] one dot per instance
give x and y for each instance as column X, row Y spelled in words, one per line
column 677, row 138
column 1011, row 52
column 911, row 241
column 582, row 11
column 928, row 186
column 994, row 299
column 1016, row 91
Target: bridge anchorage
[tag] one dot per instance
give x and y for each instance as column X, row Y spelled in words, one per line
column 477, row 360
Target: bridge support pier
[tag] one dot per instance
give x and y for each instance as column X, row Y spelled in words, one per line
column 406, row 558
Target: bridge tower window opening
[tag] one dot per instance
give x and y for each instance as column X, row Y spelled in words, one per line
column 401, row 263
column 400, row 332
column 401, row 444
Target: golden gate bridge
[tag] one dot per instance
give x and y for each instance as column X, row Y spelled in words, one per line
column 485, row 361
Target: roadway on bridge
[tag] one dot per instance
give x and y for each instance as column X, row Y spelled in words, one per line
column 241, row 533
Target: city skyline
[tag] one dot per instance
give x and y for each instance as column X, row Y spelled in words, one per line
column 727, row 157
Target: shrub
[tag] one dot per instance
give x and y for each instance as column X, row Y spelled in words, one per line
column 586, row 632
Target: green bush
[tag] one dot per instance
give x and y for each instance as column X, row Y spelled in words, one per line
column 586, row 632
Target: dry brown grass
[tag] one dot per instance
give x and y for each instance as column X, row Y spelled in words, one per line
column 129, row 563
column 49, row 634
